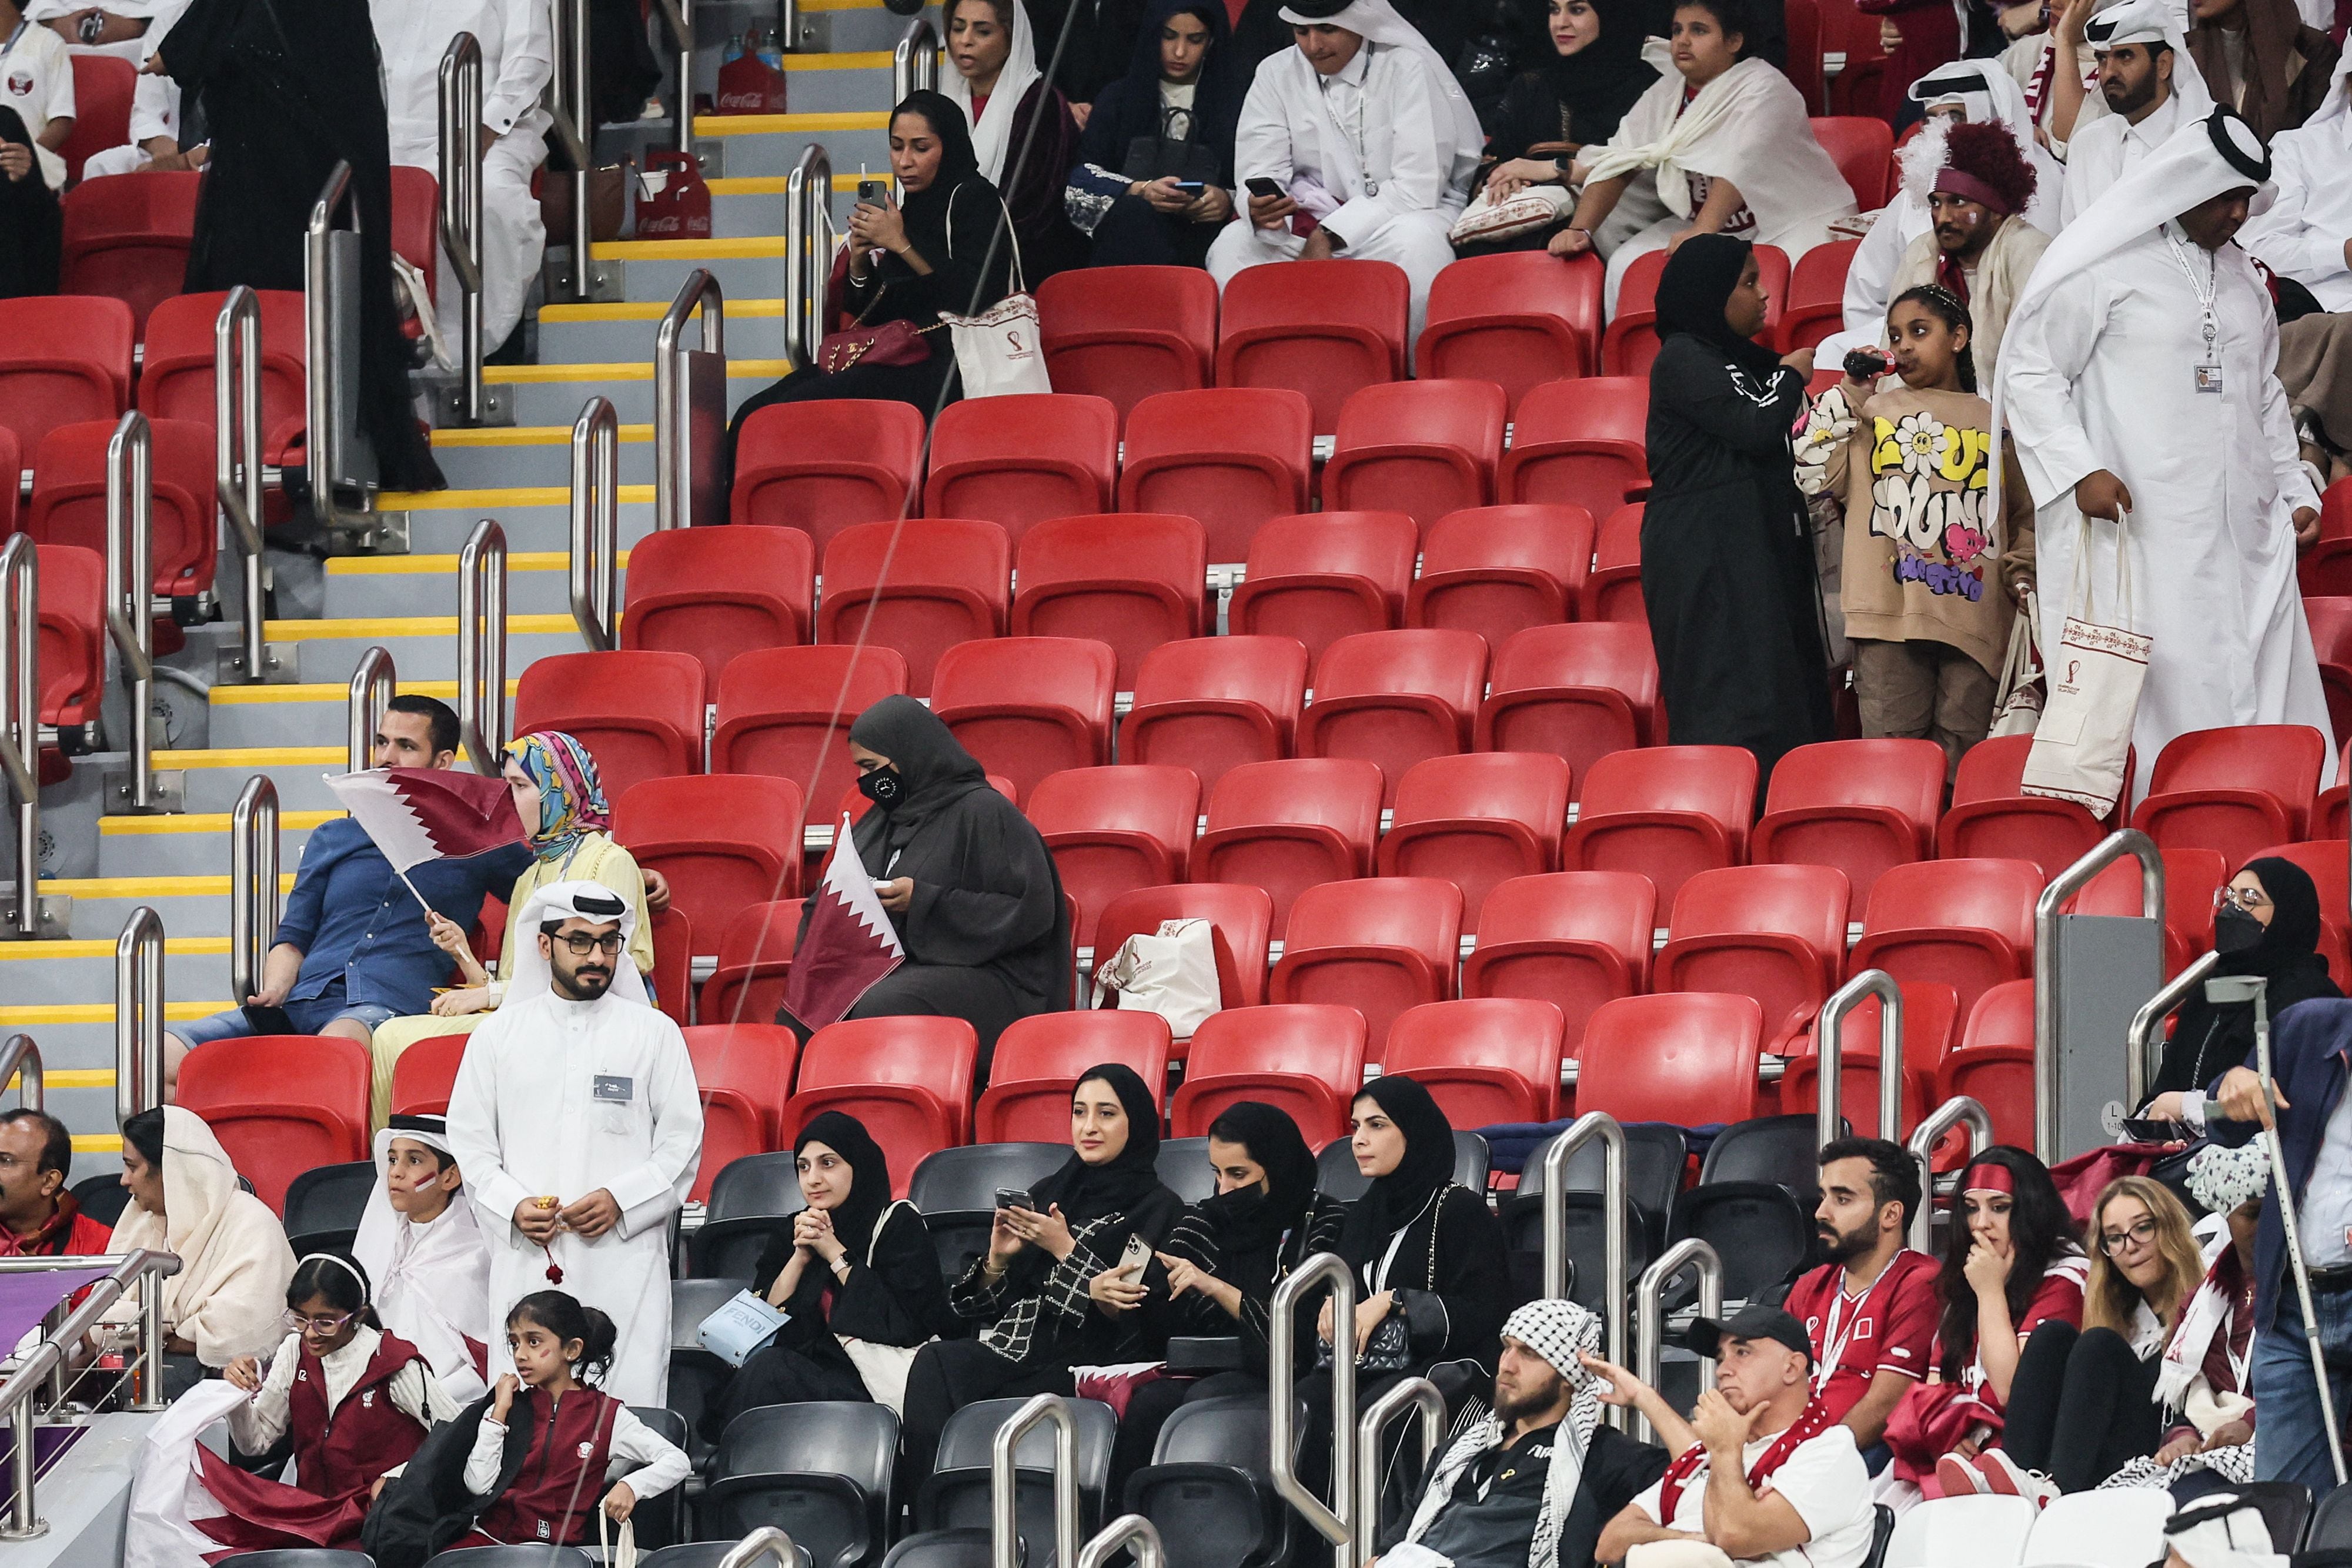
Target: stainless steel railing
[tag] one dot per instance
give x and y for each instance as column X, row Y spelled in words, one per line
column 2147, row 1039
column 236, row 455
column 139, row 1014
column 1959, row 1110
column 1415, row 1394
column 1335, row 1522
column 595, row 523
column 1004, row 1512
column 482, row 646
column 765, row 1541
column 374, row 683
column 678, row 20
column 326, row 398
column 1128, row 1533
column 915, row 62
column 1829, row 1049
column 1615, row 1253
column 461, row 85
column 20, row 720
column 2048, row 1005
column 1650, row 1312
column 808, row 262
column 252, row 883
column 574, row 125
column 690, row 408
column 130, row 592
column 21, row 1057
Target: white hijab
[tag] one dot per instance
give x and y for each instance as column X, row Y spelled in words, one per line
column 230, row 1296
column 589, row 900
column 992, row 128
column 436, row 1293
column 1987, row 94
column 1377, row 22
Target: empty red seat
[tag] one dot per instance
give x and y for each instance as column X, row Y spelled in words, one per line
column 639, row 714
column 280, row 1105
column 919, row 586
column 826, row 464
column 1322, row 576
column 1320, row 327
column 2190, row 876
column 1214, row 703
column 1038, row 1061
column 2330, row 621
column 64, row 360
column 1614, row 591
column 1380, row 946
column 1393, row 697
column 1966, row 924
column 1580, row 443
column 175, row 367
column 1028, row 707
column 907, row 1079
column 1304, row 1061
column 1484, row 1060
column 1862, row 148
column 1776, row 933
column 725, row 841
column 2233, row 789
column 1579, row 691
column 671, row 980
column 1991, row 814
column 102, row 89
column 1285, row 826
column 2326, row 569
column 1931, row 1017
column 1993, row 1064
column 1632, row 341
column 1127, row 332
column 1816, row 307
column 127, row 237
column 717, row 592
column 1477, row 820
column 1686, row 1057
column 427, row 1072
column 1241, row 920
column 755, row 961
column 1231, row 457
column 1666, row 811
column 69, row 504
column 416, row 222
column 12, row 478
column 72, row 594
column 1424, row 448
column 1113, row 830
column 1575, row 939
column 1859, row 805
column 2331, row 809
column 744, row 1072
column 787, row 712
column 1517, row 318
column 1497, row 570
column 1020, row 460
column 1129, row 581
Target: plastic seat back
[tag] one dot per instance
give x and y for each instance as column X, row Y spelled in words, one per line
column 175, row 369
column 920, row 586
column 1994, row 1062
column 1666, row 811
column 1123, row 333
column 1578, row 444
column 823, row 465
column 755, row 958
column 1424, row 448
column 416, row 219
column 1613, row 589
column 1859, row 805
column 1931, row 1022
column 725, row 841
column 1688, row 1058
column 1322, row 576
column 787, row 711
column 1776, row 933
column 1380, row 946
column 1320, row 327
column 323, row 1206
column 955, row 1189
column 1304, row 1061
column 1029, row 707
column 719, row 593
column 744, row 1072
column 69, row 504
column 1285, row 826
column 2233, row 789
column 1862, row 148
column 102, row 88
column 1517, row 318
column 1632, row 342
column 1816, row 307
column 2102, row 1529
column 281, row 1104
column 1020, row 460
column 1575, row 939
column 1966, row 924
column 1214, row 703
column 1131, row 581
column 1394, row 697
column 426, row 1073
column 1579, row 692
column 1113, row 830
column 64, row 360
column 1241, row 920
column 127, row 237
column 1961, row 1533
column 1991, row 816
column 1498, row 570
column 2190, row 876
column 2330, row 620
column 1484, row 1060
column 1231, row 457
column 639, row 714
column 1038, row 1062
column 907, row 1079
column 820, row 1470
column 1477, row 820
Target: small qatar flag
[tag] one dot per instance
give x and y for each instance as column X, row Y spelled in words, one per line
column 850, row 942
column 419, row 814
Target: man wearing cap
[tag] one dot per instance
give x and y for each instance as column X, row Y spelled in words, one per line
column 2148, row 90
column 1532, row 1486
column 1764, row 1473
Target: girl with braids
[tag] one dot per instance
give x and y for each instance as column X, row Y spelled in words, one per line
column 1930, row 574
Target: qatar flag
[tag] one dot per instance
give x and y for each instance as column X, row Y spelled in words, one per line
column 419, row 814
column 850, row 943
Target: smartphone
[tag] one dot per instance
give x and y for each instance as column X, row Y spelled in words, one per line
column 1138, row 1253
column 1015, row 1197
column 873, row 192
column 1194, row 187
column 1262, row 187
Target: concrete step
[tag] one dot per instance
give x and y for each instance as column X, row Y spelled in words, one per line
column 213, row 780
column 195, row 970
column 748, row 205
column 534, row 517
column 191, row 844
column 533, row 454
column 190, row 905
column 423, row 647
column 571, row 334
column 771, row 143
column 304, row 718
column 554, row 394
column 652, row 271
column 538, row 583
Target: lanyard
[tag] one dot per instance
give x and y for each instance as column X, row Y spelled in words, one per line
column 10, row 46
column 2210, row 323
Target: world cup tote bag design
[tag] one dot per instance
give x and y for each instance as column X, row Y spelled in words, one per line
column 2095, row 674
column 998, row 351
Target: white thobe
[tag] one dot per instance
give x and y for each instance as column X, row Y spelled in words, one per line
column 2102, row 149
column 1870, row 276
column 517, row 58
column 154, row 112
column 2101, row 375
column 2302, row 236
column 435, row 1296
column 558, row 1097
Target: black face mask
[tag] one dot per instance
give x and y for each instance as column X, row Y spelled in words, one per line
column 2235, row 931
column 883, row 787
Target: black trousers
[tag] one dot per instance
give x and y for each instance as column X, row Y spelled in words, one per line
column 1136, row 233
column 949, row 1374
column 2082, row 1406
column 780, row 1374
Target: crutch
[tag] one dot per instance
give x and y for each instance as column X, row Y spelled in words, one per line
column 2253, row 989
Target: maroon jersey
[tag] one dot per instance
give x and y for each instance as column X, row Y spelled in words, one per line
column 1889, row 1329
column 563, row 1475
column 343, row 1450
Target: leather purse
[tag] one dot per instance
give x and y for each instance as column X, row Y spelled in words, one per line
column 890, row 343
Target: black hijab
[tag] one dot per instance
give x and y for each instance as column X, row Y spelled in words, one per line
column 934, row 769
column 2210, row 1038
column 1393, row 1201
column 925, row 212
column 1252, row 1220
column 1692, row 290
column 870, row 1177
column 1131, row 104
column 1602, row 80
column 1089, row 1192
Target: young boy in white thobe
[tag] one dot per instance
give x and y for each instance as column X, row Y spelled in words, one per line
column 421, row 1243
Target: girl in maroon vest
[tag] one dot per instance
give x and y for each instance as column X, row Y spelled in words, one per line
column 546, row 1484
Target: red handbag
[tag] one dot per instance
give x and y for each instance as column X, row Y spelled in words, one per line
column 891, row 343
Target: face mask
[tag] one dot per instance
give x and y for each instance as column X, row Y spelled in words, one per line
column 883, row 787
column 2235, row 931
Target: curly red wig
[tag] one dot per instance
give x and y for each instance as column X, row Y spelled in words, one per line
column 1984, row 163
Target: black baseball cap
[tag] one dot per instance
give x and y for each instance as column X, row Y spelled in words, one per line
column 1755, row 1321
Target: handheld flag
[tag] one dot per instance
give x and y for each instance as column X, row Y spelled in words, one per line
column 850, row 944
column 419, row 814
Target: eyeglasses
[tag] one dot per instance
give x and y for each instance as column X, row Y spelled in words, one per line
column 582, row 946
column 322, row 1327
column 2141, row 1233
column 2246, row 898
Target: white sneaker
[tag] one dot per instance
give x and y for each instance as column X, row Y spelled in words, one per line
column 2004, row 1477
column 1955, row 1477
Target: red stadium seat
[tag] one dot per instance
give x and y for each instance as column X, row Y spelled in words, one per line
column 1241, row 919
column 65, row 360
column 416, row 222
column 1379, row 946
column 1028, row 707
column 2330, row 621
column 69, row 504
column 1476, row 820
column 717, row 592
column 2324, row 861
column 2325, row 570
column 1038, row 1061
column 755, row 960
column 1127, row 332
column 1575, row 939
column 103, row 87
column 727, row 841
column 1666, row 811
column 1517, row 318
column 920, row 586
column 1426, row 447
column 1214, row 703
column 1305, row 1061
column 2331, row 811
column 2233, row 789
column 1991, row 814
column 2190, row 875
column 1320, row 327
column 1579, row 691
column 1393, row 697
column 1994, row 1062
column 1862, row 148
column 745, row 1074
column 1497, row 570
column 1687, row 1057
column 1931, row 1017
column 1131, row 580
column 73, row 633
column 1020, row 460
column 1484, row 1060
column 1859, row 805
column 1614, row 591
column 1285, row 826
column 1816, row 307
column 426, row 1073
column 176, row 371
column 671, row 980
column 1322, row 576
column 825, row 465
column 1113, row 830
column 280, row 1105
column 786, row 712
column 12, row 479
column 909, row 1080
column 1804, row 20
column 127, row 237
column 1580, row 443
column 1776, row 933
column 1631, row 340
column 1231, row 457
column 639, row 714
column 1965, row 924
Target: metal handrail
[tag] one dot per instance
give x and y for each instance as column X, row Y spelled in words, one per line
column 374, row 683
column 1128, row 1531
column 596, row 522
column 482, row 645
column 1959, row 1111
column 1334, row 1523
column 765, row 1541
column 2145, row 1042
column 679, row 20
column 2047, row 979
column 130, row 588
column 808, row 193
column 460, row 83
column 21, row 1055
column 252, row 883
column 1650, row 1313
column 1615, row 1253
column 1003, row 1515
column 674, row 495
column 139, row 1014
column 915, row 62
column 1829, row 1052
column 324, row 395
column 20, row 719
column 237, row 452
column 567, row 108
column 1418, row 1394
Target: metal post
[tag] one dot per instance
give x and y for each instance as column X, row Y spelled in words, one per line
column 2147, row 1040
column 482, row 646
column 20, row 719
column 808, row 264
column 1649, row 1308
column 1334, row 1523
column 2047, row 979
column 252, row 883
column 1958, row 1111
column 1615, row 1250
column 568, row 107
column 765, row 1541
column 1829, row 1050
column 679, row 20
column 679, row 501
column 24, row 1516
column 915, row 63
column 1417, row 1393
column 20, row 1055
column 237, row 455
column 596, row 522
column 374, row 685
column 321, row 306
column 461, row 202
column 139, row 1014
column 130, row 590
column 1004, row 1516
column 1128, row 1533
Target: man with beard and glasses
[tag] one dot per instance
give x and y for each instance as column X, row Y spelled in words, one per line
column 2148, row 89
column 38, row 1216
column 1871, row 1310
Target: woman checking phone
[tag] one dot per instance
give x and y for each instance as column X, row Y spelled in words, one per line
column 1154, row 178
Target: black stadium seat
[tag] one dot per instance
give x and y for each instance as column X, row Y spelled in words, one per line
column 948, row 1548
column 956, row 1494
column 819, row 1471
column 1211, row 1485
column 1336, row 1176
column 661, row 1520
column 323, row 1206
column 532, row 1555
column 695, row 1374
column 302, row 1557
column 1185, row 1170
column 1755, row 1227
column 705, row 1554
column 752, row 1199
column 955, row 1192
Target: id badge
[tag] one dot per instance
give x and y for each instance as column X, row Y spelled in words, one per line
column 610, row 1090
column 2208, row 379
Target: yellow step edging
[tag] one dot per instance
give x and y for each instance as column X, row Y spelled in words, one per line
column 785, row 124
column 59, row 1014
column 103, row 948
column 201, row 822
column 419, row 565
column 536, row 434
column 497, row 499
column 403, row 626
column 258, row 756
column 640, row 310
column 771, row 185
column 747, row 247
column 839, row 60
column 148, row 887
column 332, row 756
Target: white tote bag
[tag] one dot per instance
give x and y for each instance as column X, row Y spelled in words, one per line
column 1000, row 351
column 1173, row 974
column 2017, row 706
column 881, row 1367
column 617, row 1544
column 2094, row 673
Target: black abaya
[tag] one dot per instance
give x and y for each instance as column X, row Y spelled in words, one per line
column 31, row 231
column 2210, row 1038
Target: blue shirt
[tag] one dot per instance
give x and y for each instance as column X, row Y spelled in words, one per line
column 359, row 927
column 2310, row 1043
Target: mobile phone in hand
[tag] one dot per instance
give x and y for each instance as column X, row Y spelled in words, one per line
column 1194, row 187
column 874, row 192
column 1015, row 1197
column 1262, row 187
column 1138, row 1253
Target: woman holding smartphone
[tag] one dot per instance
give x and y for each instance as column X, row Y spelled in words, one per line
column 1154, row 180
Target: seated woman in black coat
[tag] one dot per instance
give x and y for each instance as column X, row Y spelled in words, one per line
column 1593, row 73
column 1154, row 180
column 859, row 1276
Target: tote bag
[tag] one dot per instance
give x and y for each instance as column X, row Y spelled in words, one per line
column 616, row 1543
column 2095, row 674
column 881, row 1367
column 1000, row 351
column 1173, row 974
column 2017, row 707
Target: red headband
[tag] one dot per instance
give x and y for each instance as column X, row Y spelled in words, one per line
column 1961, row 182
column 1989, row 1177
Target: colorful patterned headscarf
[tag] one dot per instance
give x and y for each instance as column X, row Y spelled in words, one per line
column 571, row 800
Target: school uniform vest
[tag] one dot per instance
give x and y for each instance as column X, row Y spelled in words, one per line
column 563, row 1476
column 344, row 1450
